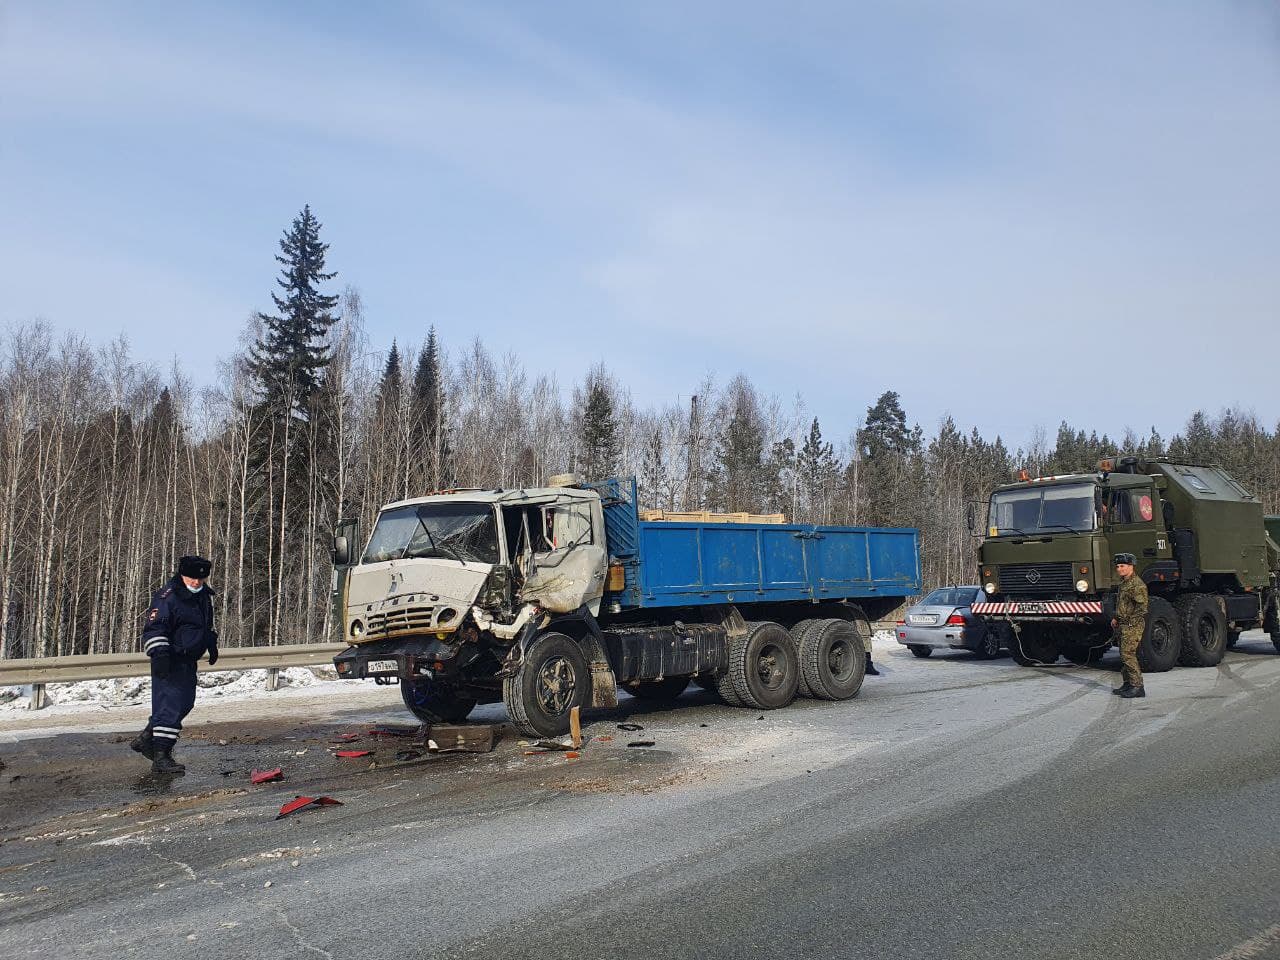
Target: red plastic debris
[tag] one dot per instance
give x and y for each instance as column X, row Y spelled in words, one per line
column 266, row 776
column 346, row 737
column 299, row 802
column 572, row 755
column 352, row 753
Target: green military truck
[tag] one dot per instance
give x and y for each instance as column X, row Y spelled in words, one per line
column 1204, row 549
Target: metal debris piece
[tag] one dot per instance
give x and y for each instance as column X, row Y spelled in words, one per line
column 631, row 727
column 471, row 738
column 640, row 743
column 266, row 776
column 392, row 731
column 352, row 753
column 297, row 803
column 554, row 744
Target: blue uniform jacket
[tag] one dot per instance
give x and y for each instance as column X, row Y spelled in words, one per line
column 180, row 621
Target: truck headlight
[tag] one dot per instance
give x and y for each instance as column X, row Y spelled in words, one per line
column 989, row 587
column 357, row 628
column 1082, row 586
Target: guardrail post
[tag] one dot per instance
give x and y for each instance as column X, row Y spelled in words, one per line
column 273, row 678
column 39, row 699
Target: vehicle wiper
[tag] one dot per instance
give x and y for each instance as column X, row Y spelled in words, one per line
column 438, row 547
column 1060, row 526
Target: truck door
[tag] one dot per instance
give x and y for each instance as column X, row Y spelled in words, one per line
column 571, row 572
column 1134, row 526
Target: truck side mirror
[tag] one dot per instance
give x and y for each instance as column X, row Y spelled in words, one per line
column 341, row 552
column 971, row 519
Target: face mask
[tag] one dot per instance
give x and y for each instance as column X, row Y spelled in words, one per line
column 197, row 588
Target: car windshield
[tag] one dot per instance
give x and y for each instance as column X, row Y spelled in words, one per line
column 950, row 597
column 1042, row 509
column 454, row 531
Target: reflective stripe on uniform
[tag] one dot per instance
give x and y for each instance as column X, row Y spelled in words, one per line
column 154, row 642
column 165, row 734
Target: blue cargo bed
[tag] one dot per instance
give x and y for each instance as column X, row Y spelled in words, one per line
column 676, row 564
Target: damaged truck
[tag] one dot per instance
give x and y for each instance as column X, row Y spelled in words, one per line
column 1206, row 553
column 552, row 598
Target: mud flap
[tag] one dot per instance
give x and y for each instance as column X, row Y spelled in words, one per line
column 604, row 687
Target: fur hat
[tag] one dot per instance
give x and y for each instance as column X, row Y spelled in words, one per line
column 1128, row 558
column 197, row 568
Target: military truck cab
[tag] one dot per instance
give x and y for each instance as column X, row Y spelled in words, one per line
column 1201, row 546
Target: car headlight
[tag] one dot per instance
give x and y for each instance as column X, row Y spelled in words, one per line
column 989, row 587
column 1082, row 586
column 357, row 628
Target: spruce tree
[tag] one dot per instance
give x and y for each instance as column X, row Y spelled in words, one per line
column 392, row 383
column 431, row 437
column 598, row 435
column 291, row 351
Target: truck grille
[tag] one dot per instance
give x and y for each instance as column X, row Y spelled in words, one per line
column 415, row 619
column 1036, row 579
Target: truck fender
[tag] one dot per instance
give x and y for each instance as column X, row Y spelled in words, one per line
column 581, row 626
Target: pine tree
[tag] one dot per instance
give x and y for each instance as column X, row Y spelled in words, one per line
column 431, row 437
column 291, row 351
column 391, row 386
column 598, row 435
column 817, row 469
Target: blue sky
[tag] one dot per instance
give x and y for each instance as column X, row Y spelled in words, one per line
column 1014, row 213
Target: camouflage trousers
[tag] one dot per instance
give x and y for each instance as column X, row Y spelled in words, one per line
column 1130, row 639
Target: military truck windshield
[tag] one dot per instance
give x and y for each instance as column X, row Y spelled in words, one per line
column 1042, row 509
column 454, row 531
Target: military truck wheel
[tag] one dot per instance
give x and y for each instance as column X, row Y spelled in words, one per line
column 920, row 650
column 798, row 633
column 1035, row 645
column 1158, row 651
column 662, row 691
column 435, row 701
column 833, row 662
column 1204, row 630
column 553, row 677
column 764, row 666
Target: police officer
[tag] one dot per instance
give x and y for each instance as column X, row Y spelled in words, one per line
column 178, row 631
column 1131, row 622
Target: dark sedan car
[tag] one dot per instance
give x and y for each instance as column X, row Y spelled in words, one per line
column 944, row 619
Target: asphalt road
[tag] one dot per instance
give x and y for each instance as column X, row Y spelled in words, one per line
column 956, row 808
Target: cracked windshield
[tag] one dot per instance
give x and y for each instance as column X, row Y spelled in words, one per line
column 452, row 531
column 1043, row 510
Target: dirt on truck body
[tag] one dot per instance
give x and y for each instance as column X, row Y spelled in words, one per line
column 1204, row 549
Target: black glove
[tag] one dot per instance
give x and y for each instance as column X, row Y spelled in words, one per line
column 213, row 654
column 160, row 664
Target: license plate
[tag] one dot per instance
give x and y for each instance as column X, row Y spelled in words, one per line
column 1032, row 608
column 382, row 666
column 922, row 619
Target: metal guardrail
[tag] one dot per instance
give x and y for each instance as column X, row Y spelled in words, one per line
column 37, row 673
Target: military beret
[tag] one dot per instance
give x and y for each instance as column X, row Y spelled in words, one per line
column 195, row 567
column 1128, row 558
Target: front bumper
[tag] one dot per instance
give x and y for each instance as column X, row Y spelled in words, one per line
column 411, row 656
column 1041, row 608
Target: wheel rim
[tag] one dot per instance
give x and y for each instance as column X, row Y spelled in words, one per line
column 840, row 660
column 1160, row 637
column 557, row 682
column 771, row 666
column 991, row 645
column 1207, row 632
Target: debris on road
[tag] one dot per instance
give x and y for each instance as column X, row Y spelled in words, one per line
column 345, row 738
column 266, row 776
column 572, row 755
column 544, row 745
column 392, row 731
column 352, row 753
column 575, row 727
column 640, row 743
column 630, row 727
column 472, row 738
column 299, row 803
column 403, row 755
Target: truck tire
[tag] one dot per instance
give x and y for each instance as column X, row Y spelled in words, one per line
column 661, row 691
column 798, row 633
column 764, row 666
column 435, row 701
column 1204, row 630
column 1162, row 641
column 552, row 679
column 1035, row 645
column 833, row 662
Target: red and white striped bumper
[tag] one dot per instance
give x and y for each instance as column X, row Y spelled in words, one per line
column 1039, row 607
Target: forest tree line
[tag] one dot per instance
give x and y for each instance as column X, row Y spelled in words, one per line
column 110, row 470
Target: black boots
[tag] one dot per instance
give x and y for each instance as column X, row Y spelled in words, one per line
column 1133, row 692
column 163, row 761
column 144, row 744
column 871, row 668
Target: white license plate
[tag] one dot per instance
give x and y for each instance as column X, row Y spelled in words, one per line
column 382, row 666
column 1032, row 608
column 922, row 619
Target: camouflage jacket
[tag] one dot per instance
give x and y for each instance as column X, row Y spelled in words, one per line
column 1131, row 603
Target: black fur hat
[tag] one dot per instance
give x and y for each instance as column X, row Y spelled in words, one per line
column 195, row 567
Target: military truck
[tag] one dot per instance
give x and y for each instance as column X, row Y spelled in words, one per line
column 548, row 599
column 1204, row 549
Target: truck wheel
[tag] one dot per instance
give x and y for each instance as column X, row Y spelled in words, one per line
column 1204, row 630
column 662, row 691
column 1035, row 645
column 1158, row 651
column 764, row 667
column 920, row 650
column 553, row 677
column 833, row 662
column 435, row 701
column 798, row 634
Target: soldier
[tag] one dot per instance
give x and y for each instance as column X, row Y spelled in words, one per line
column 866, row 646
column 178, row 631
column 1131, row 621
